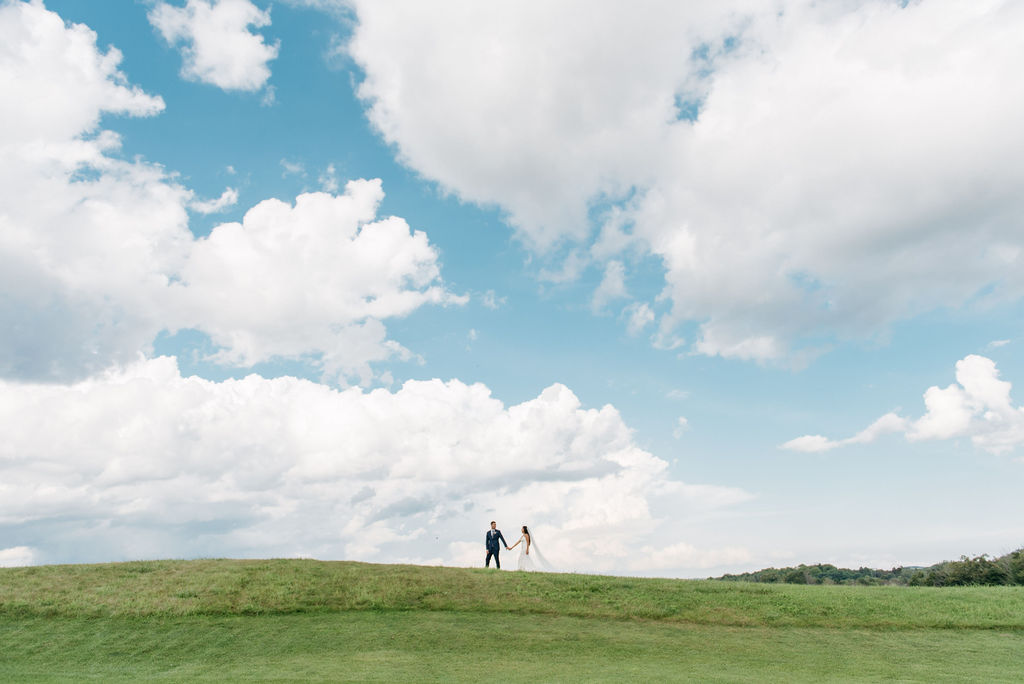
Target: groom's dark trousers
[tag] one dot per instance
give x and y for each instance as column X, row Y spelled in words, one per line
column 493, row 547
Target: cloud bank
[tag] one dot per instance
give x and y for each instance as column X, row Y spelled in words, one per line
column 148, row 463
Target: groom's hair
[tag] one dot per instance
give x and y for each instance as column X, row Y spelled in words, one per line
column 493, row 523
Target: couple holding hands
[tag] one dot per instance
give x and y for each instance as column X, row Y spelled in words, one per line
column 491, row 542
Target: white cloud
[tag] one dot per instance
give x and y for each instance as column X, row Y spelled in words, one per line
column 803, row 170
column 613, row 286
column 96, row 257
column 87, row 242
column 317, row 277
column 665, row 338
column 682, row 425
column 149, row 463
column 292, row 168
column 640, row 316
column 329, row 179
column 574, row 120
column 217, row 46
column 977, row 405
column 228, row 198
column 17, row 556
column 82, row 82
column 888, row 423
column 811, row 444
column 994, row 344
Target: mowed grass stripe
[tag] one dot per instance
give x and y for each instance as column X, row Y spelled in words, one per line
column 454, row 646
column 277, row 587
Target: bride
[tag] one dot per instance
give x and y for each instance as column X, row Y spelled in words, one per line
column 525, row 559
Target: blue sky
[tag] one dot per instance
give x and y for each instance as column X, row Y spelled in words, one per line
column 640, row 317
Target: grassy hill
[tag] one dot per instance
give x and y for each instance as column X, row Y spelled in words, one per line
column 302, row 619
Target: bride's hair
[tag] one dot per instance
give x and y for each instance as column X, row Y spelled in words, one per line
column 526, row 530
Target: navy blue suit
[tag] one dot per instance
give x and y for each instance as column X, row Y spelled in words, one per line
column 491, row 541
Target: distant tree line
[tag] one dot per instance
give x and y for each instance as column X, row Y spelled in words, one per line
column 980, row 570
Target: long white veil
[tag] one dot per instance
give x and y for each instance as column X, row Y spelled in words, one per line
column 535, row 554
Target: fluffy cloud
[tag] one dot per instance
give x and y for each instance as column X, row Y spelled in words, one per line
column 532, row 84
column 96, row 255
column 805, row 171
column 319, row 275
column 148, row 463
column 87, row 242
column 81, row 83
column 17, row 556
column 218, row 47
column 977, row 405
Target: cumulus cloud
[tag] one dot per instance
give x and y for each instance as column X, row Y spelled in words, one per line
column 217, row 46
column 977, row 405
column 314, row 277
column 148, row 463
column 572, row 117
column 87, row 242
column 96, row 255
column 17, row 556
column 804, row 171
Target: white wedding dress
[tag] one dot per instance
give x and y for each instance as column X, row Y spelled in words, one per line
column 534, row 559
column 525, row 562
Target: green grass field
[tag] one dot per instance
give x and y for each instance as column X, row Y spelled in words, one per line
column 308, row 620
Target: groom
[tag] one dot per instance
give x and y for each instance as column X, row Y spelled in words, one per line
column 491, row 542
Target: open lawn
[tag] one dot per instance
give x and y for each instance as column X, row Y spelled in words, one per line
column 307, row 620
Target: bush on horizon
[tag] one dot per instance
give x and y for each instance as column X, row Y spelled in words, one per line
column 1007, row 570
